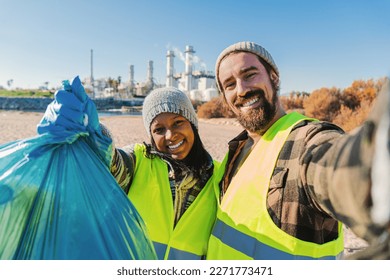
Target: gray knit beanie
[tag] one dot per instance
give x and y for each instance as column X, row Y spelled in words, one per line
column 167, row 100
column 245, row 47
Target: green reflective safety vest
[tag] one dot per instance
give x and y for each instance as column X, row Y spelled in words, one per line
column 151, row 194
column 244, row 229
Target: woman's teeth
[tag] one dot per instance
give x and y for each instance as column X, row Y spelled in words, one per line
column 175, row 146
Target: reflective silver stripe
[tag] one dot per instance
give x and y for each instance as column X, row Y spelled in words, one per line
column 160, row 249
column 175, row 254
column 251, row 246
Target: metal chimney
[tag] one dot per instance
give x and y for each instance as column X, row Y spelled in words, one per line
column 131, row 76
column 188, row 68
column 150, row 72
column 170, row 69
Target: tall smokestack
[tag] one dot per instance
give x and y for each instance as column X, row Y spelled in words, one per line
column 150, row 71
column 170, row 69
column 131, row 76
column 188, row 68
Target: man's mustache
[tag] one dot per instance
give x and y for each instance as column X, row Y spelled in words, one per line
column 241, row 100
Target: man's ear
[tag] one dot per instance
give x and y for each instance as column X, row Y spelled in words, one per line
column 274, row 78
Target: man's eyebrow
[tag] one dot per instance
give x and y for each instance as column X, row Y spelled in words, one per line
column 248, row 69
column 243, row 70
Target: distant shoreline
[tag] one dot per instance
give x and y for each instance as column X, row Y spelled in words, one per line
column 40, row 103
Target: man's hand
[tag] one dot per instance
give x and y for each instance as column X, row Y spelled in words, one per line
column 380, row 191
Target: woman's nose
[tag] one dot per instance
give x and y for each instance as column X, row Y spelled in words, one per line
column 169, row 135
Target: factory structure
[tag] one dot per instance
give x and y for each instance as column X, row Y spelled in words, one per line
column 197, row 84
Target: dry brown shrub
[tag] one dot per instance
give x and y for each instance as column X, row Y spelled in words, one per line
column 362, row 91
column 215, row 108
column 322, row 104
column 348, row 118
column 292, row 103
column 357, row 101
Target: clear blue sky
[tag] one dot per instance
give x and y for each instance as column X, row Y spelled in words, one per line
column 314, row 43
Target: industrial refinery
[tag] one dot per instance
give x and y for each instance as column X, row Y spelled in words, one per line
column 198, row 85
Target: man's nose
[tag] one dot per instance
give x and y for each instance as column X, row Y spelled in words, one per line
column 242, row 88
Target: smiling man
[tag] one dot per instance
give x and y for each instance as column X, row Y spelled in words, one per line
column 288, row 181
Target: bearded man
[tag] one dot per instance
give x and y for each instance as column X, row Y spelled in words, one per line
column 288, row 181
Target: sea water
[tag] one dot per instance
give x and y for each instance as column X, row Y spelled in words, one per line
column 118, row 112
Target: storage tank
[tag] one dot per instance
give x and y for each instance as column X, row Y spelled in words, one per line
column 209, row 94
column 196, row 95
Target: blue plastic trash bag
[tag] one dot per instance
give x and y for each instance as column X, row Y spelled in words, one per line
column 58, row 200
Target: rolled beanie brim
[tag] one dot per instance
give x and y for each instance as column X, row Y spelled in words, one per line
column 167, row 100
column 250, row 47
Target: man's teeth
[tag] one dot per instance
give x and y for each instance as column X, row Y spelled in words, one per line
column 175, row 146
column 249, row 103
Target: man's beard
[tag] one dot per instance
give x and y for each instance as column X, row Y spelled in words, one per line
column 258, row 119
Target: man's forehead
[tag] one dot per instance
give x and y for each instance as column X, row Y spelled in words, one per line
column 241, row 62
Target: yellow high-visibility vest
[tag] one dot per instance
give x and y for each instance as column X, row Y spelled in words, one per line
column 244, row 229
column 151, row 194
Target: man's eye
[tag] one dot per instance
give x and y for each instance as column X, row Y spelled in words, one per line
column 229, row 85
column 250, row 75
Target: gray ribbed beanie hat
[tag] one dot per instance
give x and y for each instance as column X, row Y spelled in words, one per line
column 245, row 47
column 167, row 100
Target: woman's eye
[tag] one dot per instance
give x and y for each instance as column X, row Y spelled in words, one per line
column 158, row 130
